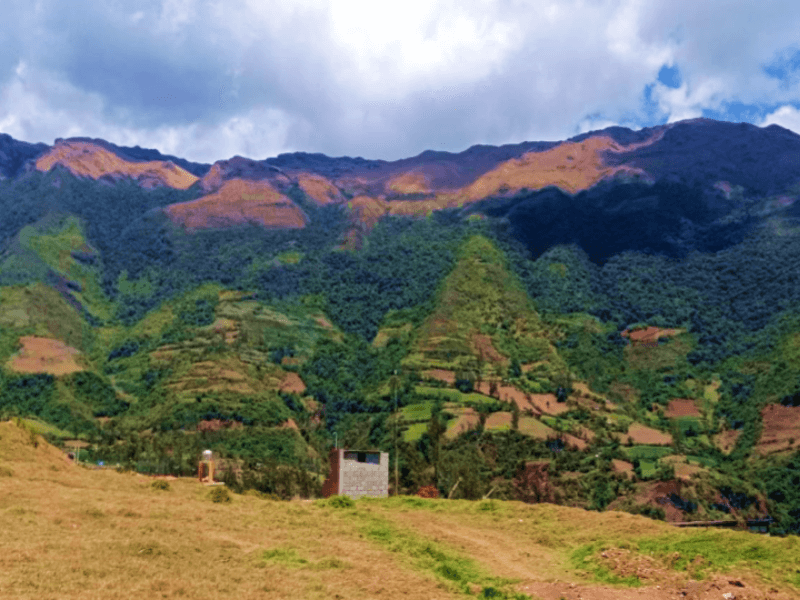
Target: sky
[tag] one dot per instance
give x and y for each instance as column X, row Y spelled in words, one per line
column 206, row 80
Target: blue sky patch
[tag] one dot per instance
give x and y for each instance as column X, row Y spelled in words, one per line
column 786, row 65
column 670, row 76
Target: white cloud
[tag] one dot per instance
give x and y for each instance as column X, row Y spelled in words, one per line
column 786, row 116
column 689, row 100
column 378, row 79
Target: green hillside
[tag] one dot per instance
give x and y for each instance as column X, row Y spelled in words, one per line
column 150, row 344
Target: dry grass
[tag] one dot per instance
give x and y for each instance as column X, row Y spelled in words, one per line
column 89, row 160
column 70, row 532
column 238, row 202
column 319, row 189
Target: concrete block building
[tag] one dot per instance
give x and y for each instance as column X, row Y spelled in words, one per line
column 357, row 473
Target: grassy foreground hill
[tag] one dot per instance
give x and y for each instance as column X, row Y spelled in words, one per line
column 74, row 532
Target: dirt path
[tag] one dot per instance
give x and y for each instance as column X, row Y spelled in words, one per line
column 542, row 573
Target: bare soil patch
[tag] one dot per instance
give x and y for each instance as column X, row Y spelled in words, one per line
column 682, row 407
column 45, row 355
column 485, row 348
column 536, row 403
column 649, row 335
column 781, row 429
column 621, row 466
column 726, row 440
column 466, row 419
column 642, row 434
column 499, row 420
column 292, row 383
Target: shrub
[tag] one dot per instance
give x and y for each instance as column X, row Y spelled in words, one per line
column 220, row 495
column 160, row 484
column 341, row 502
column 428, row 491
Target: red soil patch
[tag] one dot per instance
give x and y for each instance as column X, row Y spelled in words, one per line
column 682, row 407
column 218, row 424
column 85, row 159
column 45, row 355
column 468, row 419
column 368, row 210
column 289, row 424
column 237, row 202
column 649, row 335
column 726, row 440
column 485, row 349
column 319, row 189
column 621, row 466
column 658, row 493
column 571, row 440
column 292, row 383
column 498, row 420
column 781, row 429
column 641, row 434
column 409, row 183
column 537, row 403
column 572, row 166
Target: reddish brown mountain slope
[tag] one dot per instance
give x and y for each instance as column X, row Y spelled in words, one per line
column 85, row 159
column 237, row 202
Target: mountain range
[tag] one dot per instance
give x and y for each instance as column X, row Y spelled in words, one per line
column 610, row 321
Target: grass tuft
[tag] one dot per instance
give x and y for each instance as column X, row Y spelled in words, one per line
column 220, row 495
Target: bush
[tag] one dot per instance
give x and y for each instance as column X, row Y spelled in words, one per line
column 160, row 484
column 341, row 502
column 220, row 495
column 428, row 491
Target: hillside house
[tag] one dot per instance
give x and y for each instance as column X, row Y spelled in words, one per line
column 357, row 473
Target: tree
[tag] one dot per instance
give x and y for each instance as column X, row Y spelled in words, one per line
column 514, row 416
column 435, row 431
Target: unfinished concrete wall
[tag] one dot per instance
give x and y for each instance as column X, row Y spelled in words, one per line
column 364, row 474
column 357, row 473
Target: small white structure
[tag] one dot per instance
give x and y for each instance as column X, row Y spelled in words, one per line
column 205, row 469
